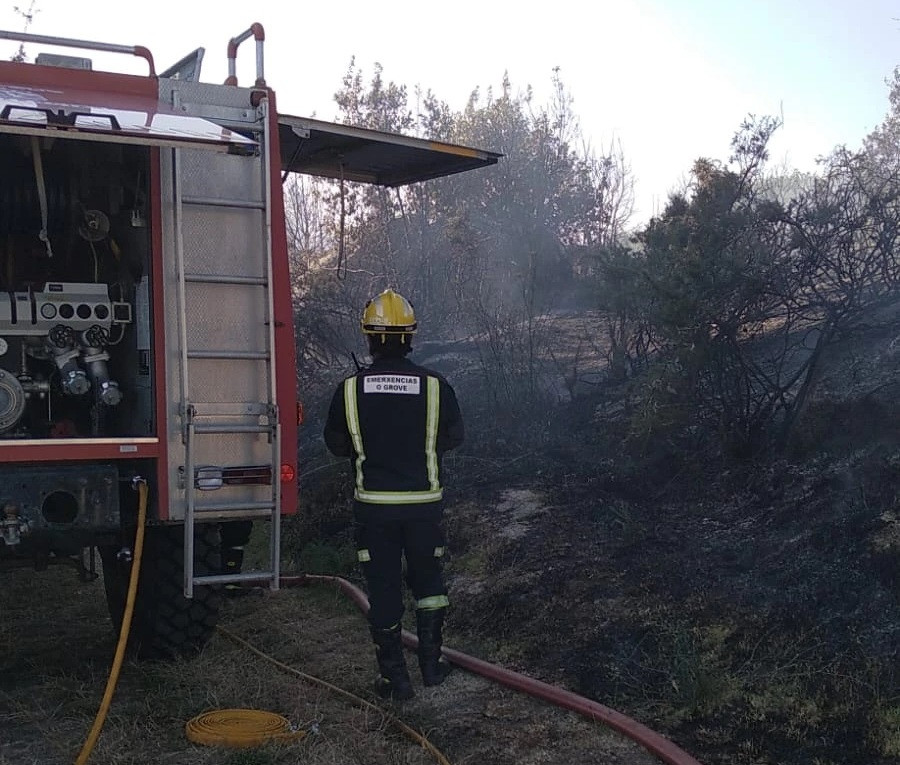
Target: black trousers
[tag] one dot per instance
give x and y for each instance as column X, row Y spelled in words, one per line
column 381, row 545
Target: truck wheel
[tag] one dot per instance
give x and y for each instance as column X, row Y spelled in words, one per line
column 165, row 623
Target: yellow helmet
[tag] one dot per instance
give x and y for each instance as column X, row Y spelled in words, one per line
column 389, row 314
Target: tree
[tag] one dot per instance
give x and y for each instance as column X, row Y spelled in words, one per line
column 845, row 232
column 483, row 255
column 714, row 281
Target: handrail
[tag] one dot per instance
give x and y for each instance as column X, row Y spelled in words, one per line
column 258, row 33
column 134, row 50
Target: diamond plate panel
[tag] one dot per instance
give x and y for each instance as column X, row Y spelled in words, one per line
column 209, row 99
column 221, row 176
column 224, row 241
column 226, row 449
column 212, row 380
column 235, row 494
column 226, row 317
column 229, row 450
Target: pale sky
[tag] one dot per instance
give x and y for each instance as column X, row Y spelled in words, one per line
column 670, row 79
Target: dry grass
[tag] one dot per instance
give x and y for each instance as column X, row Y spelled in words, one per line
column 56, row 644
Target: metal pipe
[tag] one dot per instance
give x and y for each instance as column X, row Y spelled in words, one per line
column 134, row 50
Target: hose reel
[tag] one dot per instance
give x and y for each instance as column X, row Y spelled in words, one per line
column 12, row 400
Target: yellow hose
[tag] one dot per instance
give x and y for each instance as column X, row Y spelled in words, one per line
column 91, row 740
column 397, row 723
column 240, row 728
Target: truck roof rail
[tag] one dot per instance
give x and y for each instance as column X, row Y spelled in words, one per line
column 134, row 50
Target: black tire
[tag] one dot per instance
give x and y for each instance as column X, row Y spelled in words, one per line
column 165, row 624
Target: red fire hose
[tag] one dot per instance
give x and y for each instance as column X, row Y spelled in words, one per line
column 654, row 743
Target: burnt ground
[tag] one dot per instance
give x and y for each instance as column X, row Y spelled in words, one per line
column 755, row 632
column 744, row 636
column 748, row 610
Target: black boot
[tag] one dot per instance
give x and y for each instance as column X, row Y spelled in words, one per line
column 394, row 682
column 429, row 624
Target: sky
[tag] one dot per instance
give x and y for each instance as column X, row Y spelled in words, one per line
column 667, row 80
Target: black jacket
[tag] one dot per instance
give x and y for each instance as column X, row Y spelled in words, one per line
column 394, row 420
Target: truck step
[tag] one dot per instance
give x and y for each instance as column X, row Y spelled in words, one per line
column 230, row 408
column 247, row 204
column 219, row 516
column 225, row 512
column 254, row 576
column 231, row 428
column 252, row 281
column 244, row 355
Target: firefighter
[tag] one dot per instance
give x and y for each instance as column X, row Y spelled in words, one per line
column 394, row 420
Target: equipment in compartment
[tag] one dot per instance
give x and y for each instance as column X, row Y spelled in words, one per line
column 68, row 355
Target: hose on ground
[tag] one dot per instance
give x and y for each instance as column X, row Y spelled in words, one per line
column 113, row 678
column 360, row 702
column 240, row 728
column 652, row 741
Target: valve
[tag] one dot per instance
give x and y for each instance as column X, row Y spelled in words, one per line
column 95, row 337
column 94, row 227
column 61, row 336
column 11, row 526
column 74, row 380
column 95, row 358
column 60, row 341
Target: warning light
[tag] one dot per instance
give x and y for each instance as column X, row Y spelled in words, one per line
column 288, row 474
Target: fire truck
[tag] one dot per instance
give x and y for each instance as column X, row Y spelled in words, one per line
column 146, row 331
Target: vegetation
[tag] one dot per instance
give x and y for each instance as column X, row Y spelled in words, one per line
column 708, row 392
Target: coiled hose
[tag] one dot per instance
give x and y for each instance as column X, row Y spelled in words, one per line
column 113, row 678
column 240, row 728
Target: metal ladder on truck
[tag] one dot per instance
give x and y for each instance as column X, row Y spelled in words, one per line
column 246, row 422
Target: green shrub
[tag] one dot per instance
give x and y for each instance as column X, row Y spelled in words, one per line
column 884, row 731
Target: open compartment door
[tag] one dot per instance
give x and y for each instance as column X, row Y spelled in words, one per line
column 330, row 150
column 117, row 117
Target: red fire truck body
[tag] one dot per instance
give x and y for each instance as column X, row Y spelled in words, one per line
column 146, row 328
